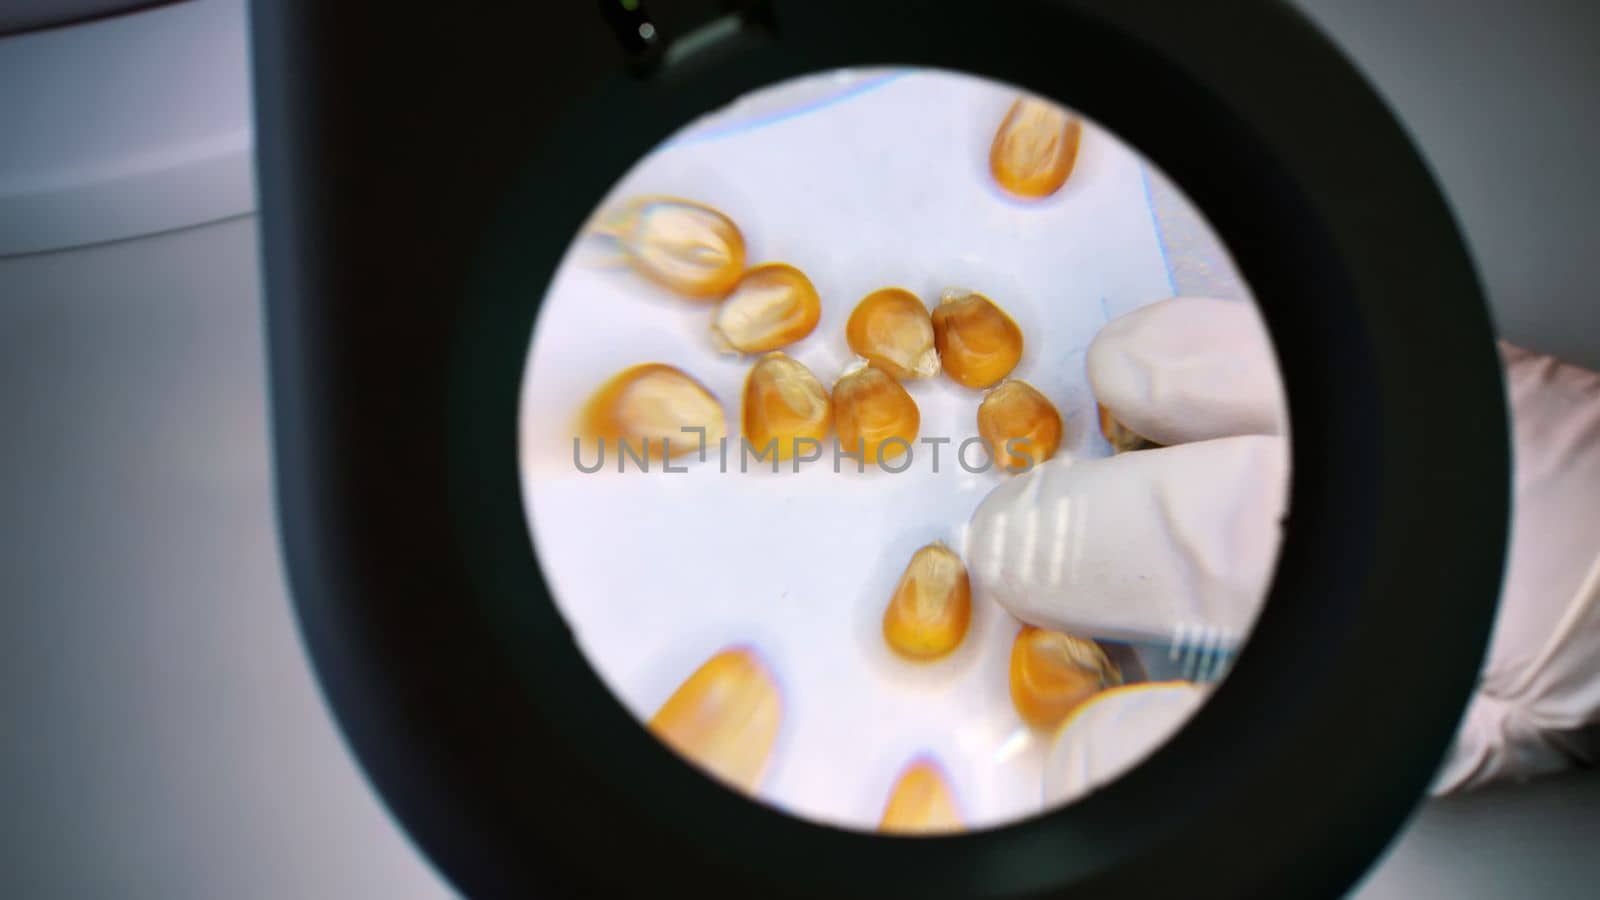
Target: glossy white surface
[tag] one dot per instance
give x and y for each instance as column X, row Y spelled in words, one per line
column 22, row 15
column 124, row 126
column 164, row 737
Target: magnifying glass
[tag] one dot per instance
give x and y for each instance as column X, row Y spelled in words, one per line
column 814, row 560
column 784, row 668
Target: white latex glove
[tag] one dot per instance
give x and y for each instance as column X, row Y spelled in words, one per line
column 1196, row 370
column 1540, row 687
column 1162, row 545
column 1151, row 547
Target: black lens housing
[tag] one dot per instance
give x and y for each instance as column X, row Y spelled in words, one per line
column 422, row 171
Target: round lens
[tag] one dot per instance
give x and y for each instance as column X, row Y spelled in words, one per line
column 903, row 450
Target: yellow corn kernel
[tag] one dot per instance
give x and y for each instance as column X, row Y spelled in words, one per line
column 978, row 343
column 1016, row 417
column 1121, row 437
column 783, row 404
column 648, row 406
column 1053, row 672
column 874, row 415
column 725, row 717
column 922, row 802
column 931, row 607
column 679, row 244
column 1035, row 148
column 891, row 329
column 772, row 306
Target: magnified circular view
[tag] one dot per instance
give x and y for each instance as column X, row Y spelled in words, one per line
column 903, row 450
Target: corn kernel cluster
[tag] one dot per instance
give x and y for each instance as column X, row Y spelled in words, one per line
column 726, row 716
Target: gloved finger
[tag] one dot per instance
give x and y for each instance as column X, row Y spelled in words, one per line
column 1113, row 732
column 1188, row 369
column 1159, row 546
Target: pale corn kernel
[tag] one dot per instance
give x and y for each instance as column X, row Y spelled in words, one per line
column 978, row 343
column 681, row 245
column 931, row 607
column 1121, row 438
column 1035, row 148
column 1053, row 672
column 724, row 717
column 773, row 305
column 647, row 406
column 921, row 802
column 784, row 404
column 873, row 415
column 891, row 329
column 1016, row 417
